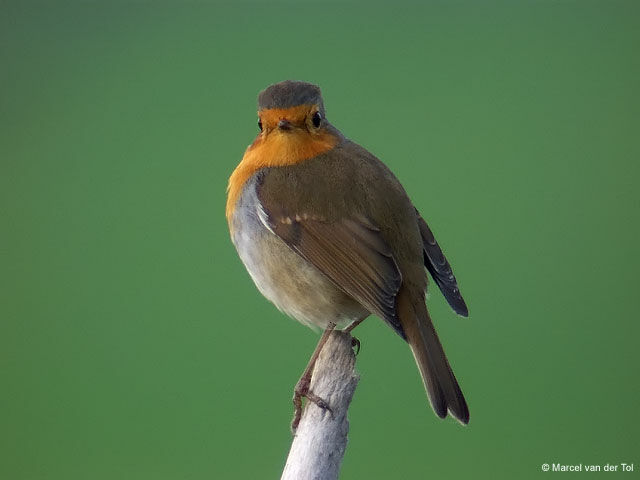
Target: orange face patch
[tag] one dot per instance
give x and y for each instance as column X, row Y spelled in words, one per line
column 275, row 148
column 295, row 115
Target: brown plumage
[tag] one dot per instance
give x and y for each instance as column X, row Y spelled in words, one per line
column 329, row 235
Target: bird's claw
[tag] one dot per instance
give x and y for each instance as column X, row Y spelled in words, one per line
column 355, row 343
column 302, row 390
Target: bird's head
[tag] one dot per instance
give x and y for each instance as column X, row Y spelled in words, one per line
column 291, row 109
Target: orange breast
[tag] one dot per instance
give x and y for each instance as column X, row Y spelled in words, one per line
column 276, row 149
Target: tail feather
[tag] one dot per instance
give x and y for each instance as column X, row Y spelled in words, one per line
column 439, row 381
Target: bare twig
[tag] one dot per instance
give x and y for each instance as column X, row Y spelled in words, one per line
column 321, row 438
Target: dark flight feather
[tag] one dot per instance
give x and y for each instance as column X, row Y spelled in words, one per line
column 440, row 270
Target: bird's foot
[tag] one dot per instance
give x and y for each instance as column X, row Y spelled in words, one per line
column 356, row 344
column 303, row 390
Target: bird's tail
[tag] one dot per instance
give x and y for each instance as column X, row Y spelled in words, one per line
column 439, row 380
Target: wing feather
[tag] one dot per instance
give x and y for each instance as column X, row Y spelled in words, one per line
column 351, row 252
column 440, row 270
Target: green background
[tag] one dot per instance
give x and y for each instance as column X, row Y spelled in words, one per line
column 133, row 344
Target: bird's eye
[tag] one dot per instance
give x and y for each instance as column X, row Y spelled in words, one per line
column 260, row 124
column 316, row 119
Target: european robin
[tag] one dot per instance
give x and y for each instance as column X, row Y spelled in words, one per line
column 329, row 235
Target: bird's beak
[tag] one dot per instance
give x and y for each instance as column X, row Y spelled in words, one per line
column 284, row 124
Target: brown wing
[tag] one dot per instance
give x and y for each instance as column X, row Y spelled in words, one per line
column 440, row 270
column 349, row 251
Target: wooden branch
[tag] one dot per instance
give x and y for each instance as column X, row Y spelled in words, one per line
column 321, row 439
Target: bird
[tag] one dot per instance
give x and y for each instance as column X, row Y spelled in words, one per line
column 329, row 235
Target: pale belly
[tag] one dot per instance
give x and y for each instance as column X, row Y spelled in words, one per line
column 285, row 278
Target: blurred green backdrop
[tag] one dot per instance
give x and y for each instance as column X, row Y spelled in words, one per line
column 134, row 344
